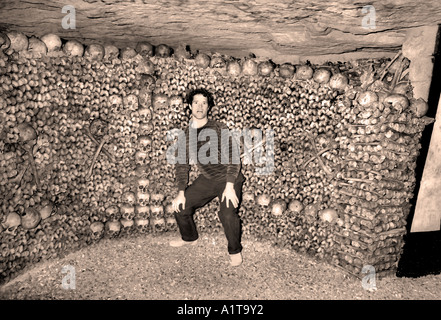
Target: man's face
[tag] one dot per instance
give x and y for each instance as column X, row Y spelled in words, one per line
column 199, row 107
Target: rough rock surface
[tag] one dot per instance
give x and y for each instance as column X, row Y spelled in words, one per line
column 284, row 30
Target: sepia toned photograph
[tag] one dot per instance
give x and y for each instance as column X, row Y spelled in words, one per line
column 217, row 158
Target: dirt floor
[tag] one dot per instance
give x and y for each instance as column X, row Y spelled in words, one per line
column 145, row 267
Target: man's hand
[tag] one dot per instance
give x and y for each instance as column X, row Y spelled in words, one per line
column 230, row 195
column 180, row 199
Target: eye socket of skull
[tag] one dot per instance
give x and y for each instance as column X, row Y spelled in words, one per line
column 147, row 82
column 128, row 212
column 98, row 127
column 160, row 102
column 145, row 142
column 145, row 114
column 176, row 103
column 143, row 181
column 141, row 157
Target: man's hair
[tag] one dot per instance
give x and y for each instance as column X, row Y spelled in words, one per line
column 203, row 92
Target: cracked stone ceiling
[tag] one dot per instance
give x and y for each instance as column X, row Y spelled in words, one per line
column 283, row 30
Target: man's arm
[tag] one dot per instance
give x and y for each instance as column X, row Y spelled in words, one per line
column 231, row 146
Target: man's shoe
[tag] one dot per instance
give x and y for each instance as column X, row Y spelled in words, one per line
column 179, row 243
column 236, row 259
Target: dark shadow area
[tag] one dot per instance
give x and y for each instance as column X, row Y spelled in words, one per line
column 422, row 250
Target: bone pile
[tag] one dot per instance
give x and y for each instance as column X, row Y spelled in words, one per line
column 379, row 147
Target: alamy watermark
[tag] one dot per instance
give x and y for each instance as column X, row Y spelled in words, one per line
column 257, row 149
column 369, row 280
column 370, row 18
column 69, row 280
column 69, row 20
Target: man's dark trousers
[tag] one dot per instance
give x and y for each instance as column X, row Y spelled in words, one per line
column 199, row 193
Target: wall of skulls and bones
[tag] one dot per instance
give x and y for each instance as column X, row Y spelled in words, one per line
column 83, row 147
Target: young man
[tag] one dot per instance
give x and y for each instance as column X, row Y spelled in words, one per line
column 218, row 178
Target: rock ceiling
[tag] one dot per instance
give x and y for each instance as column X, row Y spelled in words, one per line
column 282, row 30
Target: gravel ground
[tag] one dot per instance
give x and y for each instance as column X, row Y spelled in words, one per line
column 145, row 267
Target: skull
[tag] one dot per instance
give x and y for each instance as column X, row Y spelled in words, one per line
column 163, row 51
column 157, row 197
column 97, row 229
column 248, row 197
column 176, row 104
column 157, row 210
column 142, row 211
column 263, row 200
column 142, row 224
column 202, row 60
column 144, row 66
column 127, row 53
column 36, row 47
column 143, row 198
column 146, row 127
column 142, row 171
column 5, row 42
column 141, row 158
column 322, row 141
column 148, row 82
column 144, row 49
column 169, row 211
column 159, row 224
column 145, row 114
column 52, row 42
column 116, row 102
column 11, row 222
column 46, row 209
column 295, row 206
column 160, row 102
column 217, row 62
column 143, row 184
column 171, row 223
column 27, row 133
column 30, row 218
column 98, row 127
column 278, row 207
column 126, row 224
column 73, row 48
column 145, row 143
column 128, row 197
column 145, row 97
column 127, row 211
column 113, row 228
column 130, row 102
column 110, row 52
column 113, row 213
column 94, row 51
